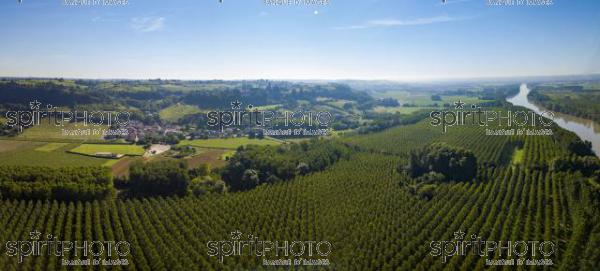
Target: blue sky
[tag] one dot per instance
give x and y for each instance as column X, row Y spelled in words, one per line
column 239, row 39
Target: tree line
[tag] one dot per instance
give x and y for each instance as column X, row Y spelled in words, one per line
column 68, row 183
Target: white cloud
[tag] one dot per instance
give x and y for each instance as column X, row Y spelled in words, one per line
column 147, row 24
column 399, row 23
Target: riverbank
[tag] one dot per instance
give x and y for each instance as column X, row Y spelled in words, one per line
column 586, row 129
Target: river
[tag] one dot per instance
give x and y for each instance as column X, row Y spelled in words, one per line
column 586, row 129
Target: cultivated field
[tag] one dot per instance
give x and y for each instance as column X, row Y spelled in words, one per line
column 92, row 149
column 51, row 147
column 213, row 157
column 175, row 112
column 227, row 143
column 47, row 132
column 43, row 154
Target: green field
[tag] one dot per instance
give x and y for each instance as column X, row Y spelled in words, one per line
column 424, row 99
column 227, row 143
column 111, row 162
column 399, row 109
column 51, row 147
column 177, row 111
column 339, row 103
column 213, row 157
column 48, row 132
column 421, row 101
column 267, row 107
column 92, row 149
column 31, row 153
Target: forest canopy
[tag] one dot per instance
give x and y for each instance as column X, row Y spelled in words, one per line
column 161, row 178
column 443, row 161
column 255, row 165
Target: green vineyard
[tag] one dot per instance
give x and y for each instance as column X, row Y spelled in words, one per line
column 357, row 205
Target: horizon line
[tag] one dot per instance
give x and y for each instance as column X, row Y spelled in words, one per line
column 424, row 79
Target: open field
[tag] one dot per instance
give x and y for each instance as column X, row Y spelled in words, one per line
column 213, row 157
column 39, row 154
column 120, row 167
column 339, row 103
column 11, row 145
column 267, row 107
column 49, row 132
column 177, row 111
column 92, row 149
column 421, row 101
column 51, row 147
column 111, row 162
column 424, row 99
column 227, row 143
column 399, row 109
